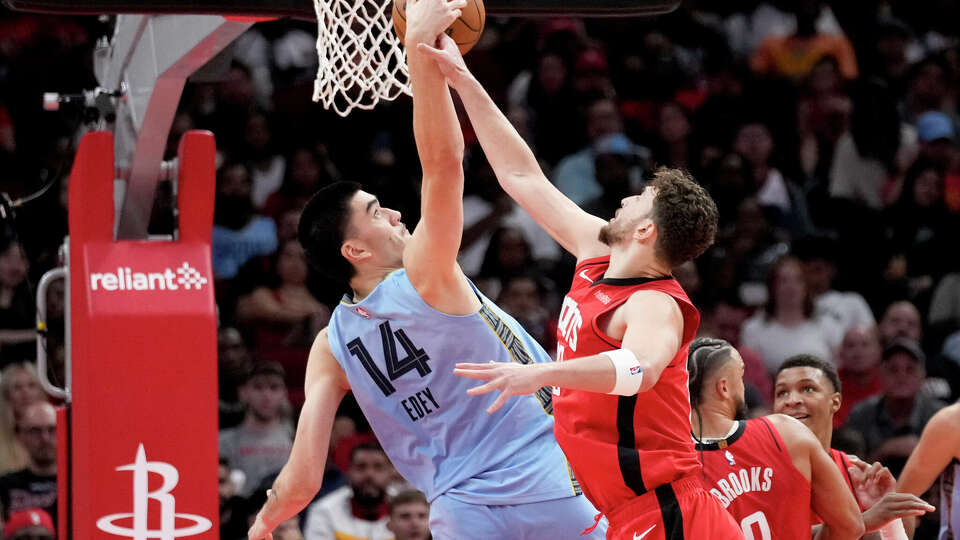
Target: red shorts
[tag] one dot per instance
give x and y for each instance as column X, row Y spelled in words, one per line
column 679, row 510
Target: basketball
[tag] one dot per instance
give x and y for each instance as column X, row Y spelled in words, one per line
column 465, row 31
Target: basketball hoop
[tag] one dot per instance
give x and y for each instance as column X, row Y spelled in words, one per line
column 361, row 59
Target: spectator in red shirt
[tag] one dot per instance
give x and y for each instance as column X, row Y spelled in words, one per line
column 857, row 359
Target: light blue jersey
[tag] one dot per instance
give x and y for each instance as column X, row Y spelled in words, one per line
column 399, row 354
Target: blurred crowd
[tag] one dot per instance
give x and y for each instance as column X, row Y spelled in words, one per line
column 825, row 131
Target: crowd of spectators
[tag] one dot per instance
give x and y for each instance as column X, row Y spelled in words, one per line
column 826, row 131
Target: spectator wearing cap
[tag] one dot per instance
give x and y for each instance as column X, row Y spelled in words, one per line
column 36, row 485
column 938, row 144
column 846, row 310
column 261, row 444
column 891, row 422
column 575, row 175
column 30, row 524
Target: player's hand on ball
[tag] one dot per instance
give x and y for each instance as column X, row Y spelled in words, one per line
column 510, row 379
column 427, row 19
column 448, row 58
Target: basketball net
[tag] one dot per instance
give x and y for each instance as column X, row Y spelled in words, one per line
column 361, row 59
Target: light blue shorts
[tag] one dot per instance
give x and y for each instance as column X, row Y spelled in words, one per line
column 557, row 519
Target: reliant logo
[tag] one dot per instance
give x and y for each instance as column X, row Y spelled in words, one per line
column 125, row 279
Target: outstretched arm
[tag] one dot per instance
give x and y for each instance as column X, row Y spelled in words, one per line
column 515, row 165
column 431, row 255
column 300, row 478
column 654, row 332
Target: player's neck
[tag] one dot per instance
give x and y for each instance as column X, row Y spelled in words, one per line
column 713, row 422
column 628, row 263
column 366, row 281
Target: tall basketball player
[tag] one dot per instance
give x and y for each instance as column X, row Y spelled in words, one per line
column 938, row 453
column 754, row 466
column 808, row 389
column 621, row 406
column 393, row 342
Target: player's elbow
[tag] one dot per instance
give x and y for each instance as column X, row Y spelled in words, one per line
column 443, row 162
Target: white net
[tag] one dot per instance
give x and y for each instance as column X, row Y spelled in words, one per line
column 361, row 58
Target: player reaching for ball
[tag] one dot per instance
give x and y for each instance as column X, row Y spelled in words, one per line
column 393, row 342
column 621, row 406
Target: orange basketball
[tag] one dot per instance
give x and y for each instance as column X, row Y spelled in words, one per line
column 465, row 31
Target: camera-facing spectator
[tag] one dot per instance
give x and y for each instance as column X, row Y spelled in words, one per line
column 524, row 298
column 17, row 317
column 901, row 320
column 35, row 486
column 233, row 369
column 847, row 309
column 409, row 516
column 19, row 388
column 261, row 444
column 787, row 325
column 239, row 233
column 857, row 363
column 891, row 422
column 359, row 509
column 284, row 316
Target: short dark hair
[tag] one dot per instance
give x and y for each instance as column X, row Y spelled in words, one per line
column 704, row 357
column 809, row 360
column 368, row 446
column 323, row 228
column 685, row 214
column 407, row 496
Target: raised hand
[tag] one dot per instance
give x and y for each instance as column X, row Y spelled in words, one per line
column 448, row 58
column 509, row 379
column 874, row 485
column 428, row 19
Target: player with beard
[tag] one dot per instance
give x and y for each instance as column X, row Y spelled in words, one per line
column 808, row 389
column 410, row 315
column 621, row 407
column 752, row 466
column 359, row 509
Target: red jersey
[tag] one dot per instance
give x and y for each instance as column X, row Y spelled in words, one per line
column 620, row 447
column 842, row 462
column 752, row 475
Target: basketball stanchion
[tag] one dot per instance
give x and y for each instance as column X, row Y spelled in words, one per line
column 143, row 433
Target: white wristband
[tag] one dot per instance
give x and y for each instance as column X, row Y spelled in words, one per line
column 629, row 372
